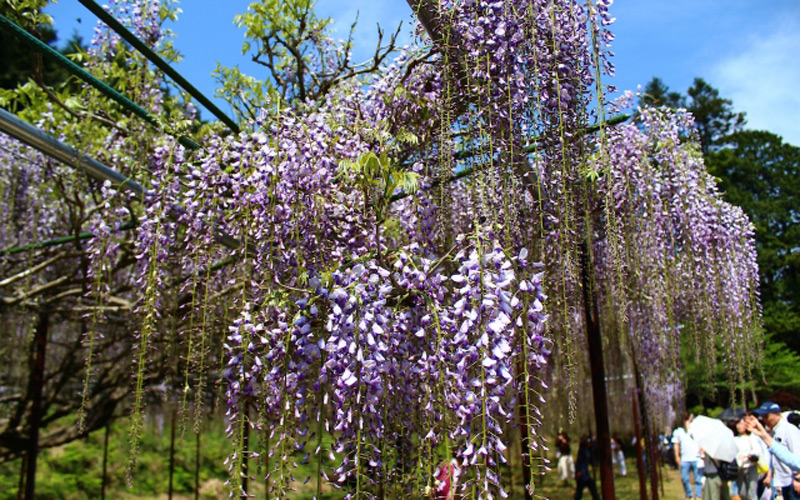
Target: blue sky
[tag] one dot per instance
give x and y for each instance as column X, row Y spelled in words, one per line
column 748, row 49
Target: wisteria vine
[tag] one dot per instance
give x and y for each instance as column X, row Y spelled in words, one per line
column 406, row 276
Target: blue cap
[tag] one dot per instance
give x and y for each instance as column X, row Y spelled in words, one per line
column 768, row 407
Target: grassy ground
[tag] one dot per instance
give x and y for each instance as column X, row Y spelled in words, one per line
column 548, row 486
column 73, row 472
column 626, row 488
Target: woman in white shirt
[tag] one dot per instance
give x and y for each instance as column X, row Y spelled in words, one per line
column 750, row 455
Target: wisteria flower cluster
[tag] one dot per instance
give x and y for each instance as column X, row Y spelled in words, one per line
column 691, row 263
column 342, row 324
column 407, row 354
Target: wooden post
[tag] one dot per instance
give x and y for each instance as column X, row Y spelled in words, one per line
column 637, row 428
column 171, row 454
column 598, row 378
column 35, row 389
column 197, row 466
column 104, row 480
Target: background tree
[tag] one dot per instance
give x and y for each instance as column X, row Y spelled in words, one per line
column 714, row 116
column 302, row 63
column 656, row 93
column 18, row 63
column 761, row 173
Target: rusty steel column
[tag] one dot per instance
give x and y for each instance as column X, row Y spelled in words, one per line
column 35, row 389
column 595, row 342
column 637, row 428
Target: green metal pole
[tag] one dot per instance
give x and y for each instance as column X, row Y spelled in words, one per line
column 62, row 240
column 158, row 61
column 76, row 70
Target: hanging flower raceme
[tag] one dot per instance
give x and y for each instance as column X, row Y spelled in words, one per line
column 380, row 357
column 690, row 268
column 374, row 338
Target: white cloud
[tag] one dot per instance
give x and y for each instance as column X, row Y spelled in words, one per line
column 763, row 80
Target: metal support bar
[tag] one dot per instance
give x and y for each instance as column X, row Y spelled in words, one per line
column 614, row 120
column 534, row 141
column 56, row 149
column 20, row 130
column 86, row 235
column 76, row 70
column 158, row 61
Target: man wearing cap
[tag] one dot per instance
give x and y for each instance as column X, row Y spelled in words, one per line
column 789, row 436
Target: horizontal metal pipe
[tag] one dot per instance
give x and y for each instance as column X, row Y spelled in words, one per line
column 56, row 149
column 52, row 147
column 87, row 235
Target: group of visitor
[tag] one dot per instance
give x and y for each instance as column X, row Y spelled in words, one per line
column 766, row 465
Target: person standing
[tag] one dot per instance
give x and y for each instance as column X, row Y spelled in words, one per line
column 714, row 488
column 778, row 450
column 583, row 478
column 618, row 455
column 748, row 458
column 566, row 467
column 781, row 476
column 687, row 457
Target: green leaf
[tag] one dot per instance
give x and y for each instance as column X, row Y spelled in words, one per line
column 74, row 102
column 408, row 181
column 407, row 137
column 370, row 164
column 6, row 96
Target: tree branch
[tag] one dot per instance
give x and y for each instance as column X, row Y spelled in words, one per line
column 32, row 270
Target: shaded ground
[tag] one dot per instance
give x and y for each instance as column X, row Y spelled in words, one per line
column 73, row 471
column 627, row 488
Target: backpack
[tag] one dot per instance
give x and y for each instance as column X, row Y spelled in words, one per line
column 728, row 471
